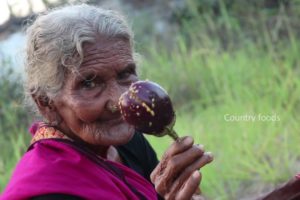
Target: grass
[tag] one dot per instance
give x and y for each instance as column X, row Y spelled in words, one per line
column 13, row 123
column 207, row 79
column 207, row 83
column 246, row 153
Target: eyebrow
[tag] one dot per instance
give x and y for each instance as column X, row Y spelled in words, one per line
column 83, row 74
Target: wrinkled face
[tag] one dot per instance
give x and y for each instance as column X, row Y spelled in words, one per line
column 84, row 104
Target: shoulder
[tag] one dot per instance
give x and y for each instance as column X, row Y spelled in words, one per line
column 50, row 150
column 49, row 156
column 51, row 167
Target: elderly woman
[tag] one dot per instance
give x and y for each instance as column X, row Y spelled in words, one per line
column 80, row 59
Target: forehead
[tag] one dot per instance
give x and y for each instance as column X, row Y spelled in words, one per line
column 106, row 45
column 106, row 53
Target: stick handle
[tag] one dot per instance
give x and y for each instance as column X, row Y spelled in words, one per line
column 172, row 133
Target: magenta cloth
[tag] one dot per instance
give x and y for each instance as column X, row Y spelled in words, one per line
column 298, row 176
column 55, row 167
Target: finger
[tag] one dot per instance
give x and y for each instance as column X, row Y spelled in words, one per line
column 164, row 180
column 190, row 187
column 178, row 146
column 201, row 162
column 181, row 161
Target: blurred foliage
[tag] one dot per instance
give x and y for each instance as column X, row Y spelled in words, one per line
column 14, row 121
column 229, row 60
column 230, row 24
column 214, row 29
column 12, row 112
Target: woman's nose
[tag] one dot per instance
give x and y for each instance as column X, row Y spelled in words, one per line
column 115, row 92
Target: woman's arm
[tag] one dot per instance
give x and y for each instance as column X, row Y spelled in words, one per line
column 288, row 191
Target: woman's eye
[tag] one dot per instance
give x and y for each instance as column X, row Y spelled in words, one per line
column 126, row 74
column 88, row 84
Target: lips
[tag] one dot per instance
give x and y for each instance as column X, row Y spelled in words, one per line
column 114, row 121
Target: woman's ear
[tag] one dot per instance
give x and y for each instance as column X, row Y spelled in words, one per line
column 47, row 109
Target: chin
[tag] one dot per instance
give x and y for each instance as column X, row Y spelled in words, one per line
column 124, row 135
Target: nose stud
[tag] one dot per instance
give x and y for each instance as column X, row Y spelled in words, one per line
column 112, row 107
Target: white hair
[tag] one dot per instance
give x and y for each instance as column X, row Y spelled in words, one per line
column 54, row 45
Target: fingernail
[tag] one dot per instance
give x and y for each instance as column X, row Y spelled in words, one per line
column 200, row 146
column 209, row 155
column 196, row 174
column 188, row 140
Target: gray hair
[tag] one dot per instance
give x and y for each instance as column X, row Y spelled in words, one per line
column 54, row 45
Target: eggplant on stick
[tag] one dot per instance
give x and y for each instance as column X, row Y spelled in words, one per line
column 148, row 107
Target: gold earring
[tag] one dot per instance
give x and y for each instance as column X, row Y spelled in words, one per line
column 112, row 107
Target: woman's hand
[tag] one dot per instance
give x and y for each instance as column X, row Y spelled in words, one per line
column 177, row 176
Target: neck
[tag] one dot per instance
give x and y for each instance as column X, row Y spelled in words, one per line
column 107, row 152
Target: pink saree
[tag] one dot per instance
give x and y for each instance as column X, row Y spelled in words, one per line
column 53, row 164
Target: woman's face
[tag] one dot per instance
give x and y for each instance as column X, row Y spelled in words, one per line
column 83, row 104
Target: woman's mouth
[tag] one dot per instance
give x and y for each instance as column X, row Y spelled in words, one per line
column 113, row 122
